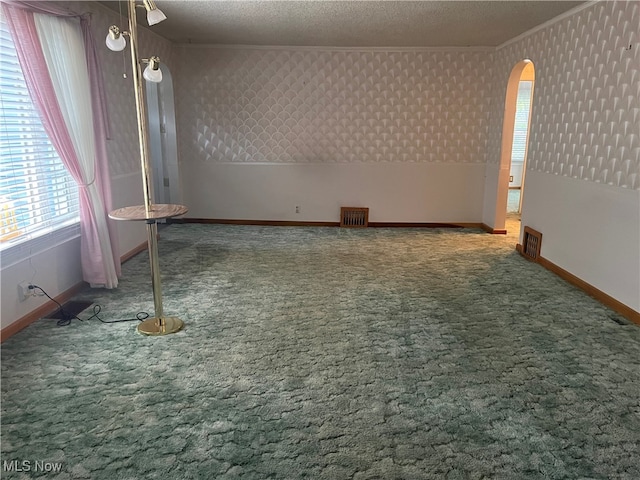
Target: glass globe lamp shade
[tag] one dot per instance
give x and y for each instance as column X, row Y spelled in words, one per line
column 152, row 74
column 155, row 16
column 115, row 41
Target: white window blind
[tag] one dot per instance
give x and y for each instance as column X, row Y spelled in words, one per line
column 37, row 194
column 521, row 126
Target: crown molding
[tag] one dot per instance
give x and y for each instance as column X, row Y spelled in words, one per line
column 336, row 49
column 548, row 23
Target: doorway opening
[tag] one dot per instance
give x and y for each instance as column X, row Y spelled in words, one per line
column 515, row 139
column 520, row 139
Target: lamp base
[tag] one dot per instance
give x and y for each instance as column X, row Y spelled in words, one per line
column 160, row 326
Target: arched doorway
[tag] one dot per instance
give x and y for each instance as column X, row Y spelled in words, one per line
column 163, row 146
column 515, row 135
column 520, row 139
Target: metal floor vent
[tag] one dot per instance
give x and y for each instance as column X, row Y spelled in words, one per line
column 354, row 217
column 69, row 310
column 531, row 242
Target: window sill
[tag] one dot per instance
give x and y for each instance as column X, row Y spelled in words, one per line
column 23, row 249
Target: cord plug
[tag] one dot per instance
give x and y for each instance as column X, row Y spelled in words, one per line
column 26, row 290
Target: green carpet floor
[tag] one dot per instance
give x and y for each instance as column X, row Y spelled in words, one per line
column 328, row 353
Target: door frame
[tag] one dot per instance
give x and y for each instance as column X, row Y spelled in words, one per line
column 508, row 124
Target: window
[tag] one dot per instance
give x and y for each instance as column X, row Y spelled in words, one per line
column 37, row 194
column 521, row 126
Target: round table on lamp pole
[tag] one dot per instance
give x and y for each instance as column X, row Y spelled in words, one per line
column 158, row 325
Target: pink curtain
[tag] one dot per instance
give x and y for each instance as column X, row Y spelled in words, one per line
column 19, row 17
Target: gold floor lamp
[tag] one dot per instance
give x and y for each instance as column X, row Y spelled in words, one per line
column 150, row 213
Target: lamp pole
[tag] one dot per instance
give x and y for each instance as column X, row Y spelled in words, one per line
column 152, row 227
column 140, row 108
column 159, row 324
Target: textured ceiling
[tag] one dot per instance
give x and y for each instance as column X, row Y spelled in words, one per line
column 351, row 23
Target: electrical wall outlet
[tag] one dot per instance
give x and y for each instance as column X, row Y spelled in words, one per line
column 24, row 291
column 297, row 209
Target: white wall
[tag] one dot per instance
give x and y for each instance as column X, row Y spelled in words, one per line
column 583, row 165
column 589, row 229
column 492, row 173
column 264, row 129
column 55, row 270
column 394, row 192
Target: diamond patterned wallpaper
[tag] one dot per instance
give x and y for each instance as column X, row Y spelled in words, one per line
column 310, row 106
column 586, row 112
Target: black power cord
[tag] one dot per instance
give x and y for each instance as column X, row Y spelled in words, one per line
column 67, row 317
